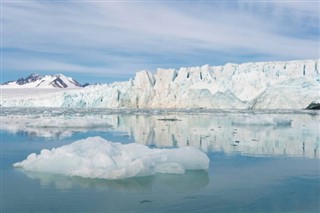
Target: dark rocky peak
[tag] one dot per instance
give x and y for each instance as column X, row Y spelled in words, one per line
column 29, row 79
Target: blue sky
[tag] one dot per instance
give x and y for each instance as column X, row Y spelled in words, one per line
column 104, row 41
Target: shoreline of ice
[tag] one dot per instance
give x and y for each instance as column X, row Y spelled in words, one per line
column 151, row 111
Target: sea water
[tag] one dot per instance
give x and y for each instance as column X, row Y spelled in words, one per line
column 260, row 161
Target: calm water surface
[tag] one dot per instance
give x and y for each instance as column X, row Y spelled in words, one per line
column 265, row 161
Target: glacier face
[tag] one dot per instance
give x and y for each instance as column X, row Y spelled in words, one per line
column 262, row 85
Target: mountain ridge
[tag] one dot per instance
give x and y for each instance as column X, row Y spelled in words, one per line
column 35, row 80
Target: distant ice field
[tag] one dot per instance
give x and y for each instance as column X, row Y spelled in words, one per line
column 20, row 93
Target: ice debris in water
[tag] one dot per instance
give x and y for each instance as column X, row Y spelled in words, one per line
column 96, row 157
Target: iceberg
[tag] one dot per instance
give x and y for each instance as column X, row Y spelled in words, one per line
column 259, row 85
column 96, row 157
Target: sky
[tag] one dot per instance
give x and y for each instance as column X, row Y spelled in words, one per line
column 106, row 41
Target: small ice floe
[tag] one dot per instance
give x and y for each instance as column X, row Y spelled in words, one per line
column 96, row 157
column 145, row 201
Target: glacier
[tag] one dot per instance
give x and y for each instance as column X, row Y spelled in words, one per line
column 260, row 85
column 96, row 157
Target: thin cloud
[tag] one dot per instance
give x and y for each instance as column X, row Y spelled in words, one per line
column 122, row 37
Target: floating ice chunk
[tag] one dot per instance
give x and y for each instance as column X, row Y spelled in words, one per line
column 96, row 157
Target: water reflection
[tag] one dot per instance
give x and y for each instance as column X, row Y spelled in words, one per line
column 270, row 134
column 52, row 125
column 191, row 181
column 249, row 133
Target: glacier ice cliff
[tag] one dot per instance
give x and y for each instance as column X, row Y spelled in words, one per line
column 261, row 85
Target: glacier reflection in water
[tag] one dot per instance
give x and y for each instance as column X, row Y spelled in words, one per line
column 274, row 133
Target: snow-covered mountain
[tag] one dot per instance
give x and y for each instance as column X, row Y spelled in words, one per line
column 47, row 82
column 262, row 85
